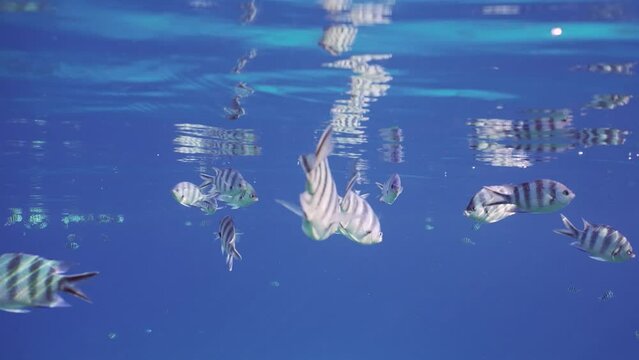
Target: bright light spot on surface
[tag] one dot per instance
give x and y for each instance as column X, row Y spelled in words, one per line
column 556, row 31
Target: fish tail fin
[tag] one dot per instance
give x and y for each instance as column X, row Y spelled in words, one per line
column 569, row 230
column 68, row 281
column 207, row 180
column 236, row 254
column 291, row 207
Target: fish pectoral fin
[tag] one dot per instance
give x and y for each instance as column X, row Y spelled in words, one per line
column 291, row 207
column 597, row 258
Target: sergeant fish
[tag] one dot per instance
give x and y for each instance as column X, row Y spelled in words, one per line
column 538, row 196
column 391, row 189
column 228, row 238
column 602, row 242
column 32, row 281
column 360, row 223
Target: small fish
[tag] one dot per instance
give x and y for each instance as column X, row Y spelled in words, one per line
column 538, row 196
column 607, row 295
column 13, row 219
column 243, row 60
column 235, row 110
column 228, row 238
column 479, row 211
column 319, row 203
column 604, row 68
column 338, row 38
column 468, row 241
column 602, row 242
column 600, row 136
column 250, row 12
column 189, row 194
column 242, row 90
column 230, row 186
column 32, row 281
column 573, row 289
column 391, row 189
column 608, row 101
column 360, row 222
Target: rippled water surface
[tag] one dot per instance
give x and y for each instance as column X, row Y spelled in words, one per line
column 108, row 104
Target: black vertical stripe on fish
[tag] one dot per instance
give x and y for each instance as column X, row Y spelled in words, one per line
column 539, row 189
column 34, row 271
column 608, row 241
column 48, row 283
column 593, row 239
column 553, row 192
column 12, row 274
column 526, row 188
column 517, row 196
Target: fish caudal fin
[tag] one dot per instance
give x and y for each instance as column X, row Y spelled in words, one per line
column 67, row 284
column 569, row 230
column 292, row 208
column 208, row 180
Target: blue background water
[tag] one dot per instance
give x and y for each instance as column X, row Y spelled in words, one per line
column 92, row 93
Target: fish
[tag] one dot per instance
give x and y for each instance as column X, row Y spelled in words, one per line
column 573, row 289
column 482, row 213
column 243, row 60
column 601, row 242
column 605, row 68
column 538, row 128
column 391, row 189
column 189, row 194
column 360, row 222
column 538, row 196
column 235, row 110
column 228, row 237
column 230, row 186
column 319, row 203
column 608, row 101
column 242, row 90
column 607, row 295
column 338, row 38
column 28, row 281
column 245, row 198
column 588, row 137
column 250, row 12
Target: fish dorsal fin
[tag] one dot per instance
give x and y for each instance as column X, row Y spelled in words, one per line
column 501, row 197
column 351, row 182
column 325, row 144
column 586, row 223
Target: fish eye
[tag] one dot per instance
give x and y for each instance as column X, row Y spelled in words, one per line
column 566, row 192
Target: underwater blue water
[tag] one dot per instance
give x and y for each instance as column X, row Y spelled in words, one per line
column 107, row 105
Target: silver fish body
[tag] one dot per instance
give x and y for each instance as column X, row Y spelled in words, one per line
column 607, row 295
column 227, row 183
column 391, row 189
column 359, row 223
column 320, row 201
column 538, row 196
column 601, row 242
column 28, row 281
column 228, row 238
column 189, row 194
column 479, row 211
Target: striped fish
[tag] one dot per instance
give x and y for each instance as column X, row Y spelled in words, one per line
column 479, row 211
column 391, row 189
column 228, row 238
column 600, row 136
column 231, row 187
column 189, row 194
column 31, row 281
column 360, row 222
column 320, row 211
column 602, row 242
column 338, row 38
column 607, row 295
column 538, row 196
